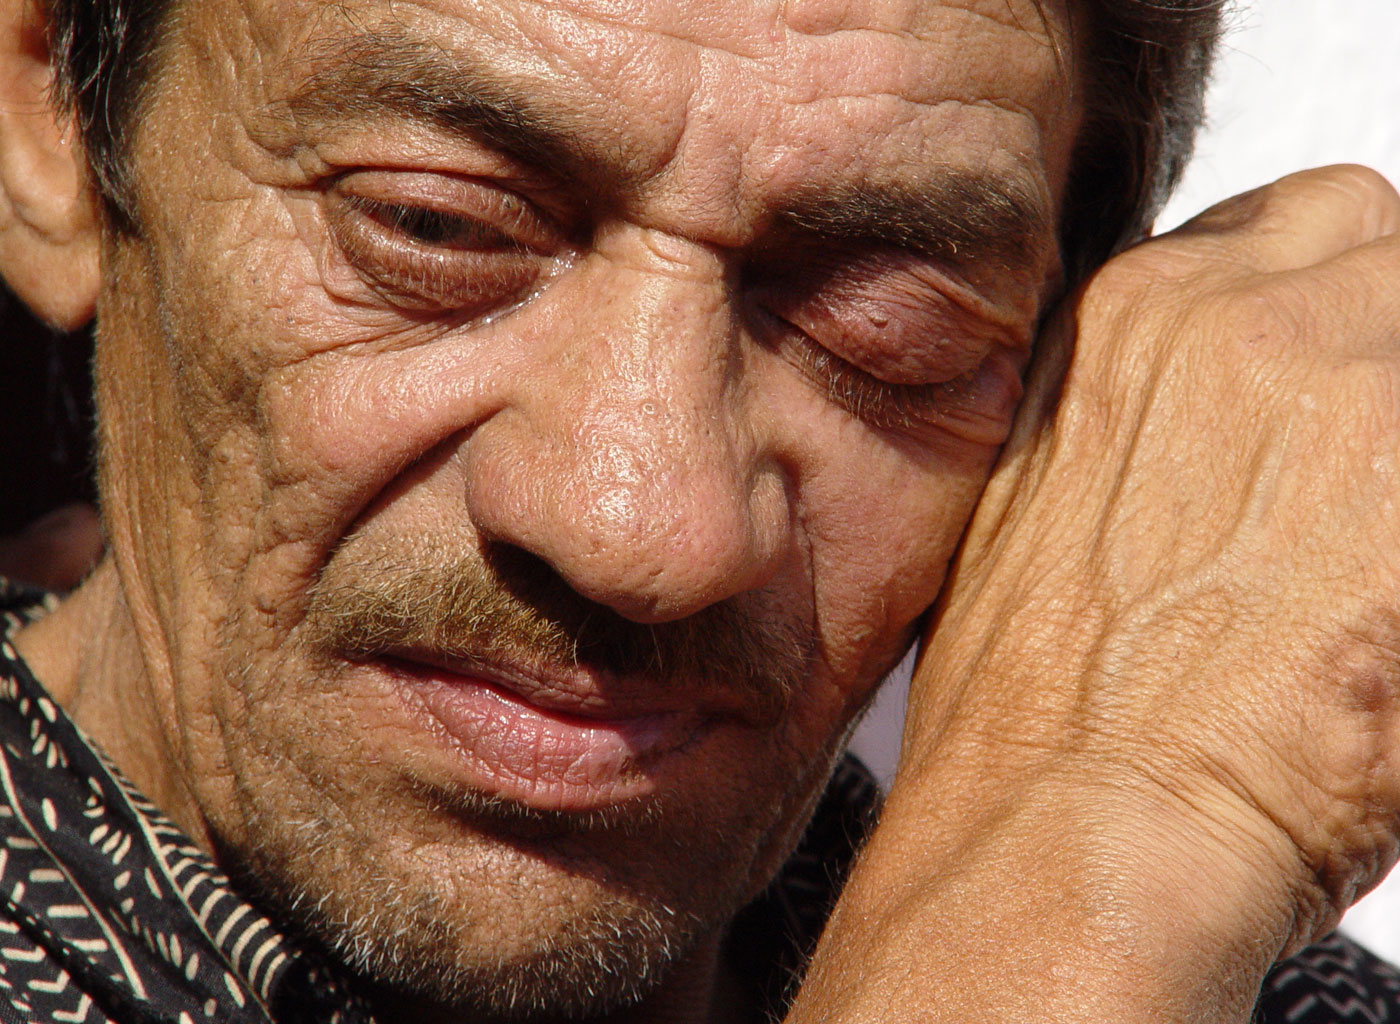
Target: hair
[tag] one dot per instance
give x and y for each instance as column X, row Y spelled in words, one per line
column 1145, row 69
column 1146, row 64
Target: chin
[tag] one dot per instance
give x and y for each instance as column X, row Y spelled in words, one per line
column 486, row 906
column 525, row 941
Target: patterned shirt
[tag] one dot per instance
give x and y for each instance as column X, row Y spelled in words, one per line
column 109, row 913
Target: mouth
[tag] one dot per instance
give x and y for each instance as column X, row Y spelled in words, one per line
column 551, row 741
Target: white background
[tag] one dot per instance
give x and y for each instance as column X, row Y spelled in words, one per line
column 1300, row 83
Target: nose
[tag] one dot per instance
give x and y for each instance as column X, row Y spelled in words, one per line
column 630, row 456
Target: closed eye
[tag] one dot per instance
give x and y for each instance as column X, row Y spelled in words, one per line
column 437, row 228
column 439, row 243
column 881, row 403
column 890, row 337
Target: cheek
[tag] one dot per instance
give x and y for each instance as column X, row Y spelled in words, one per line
column 883, row 523
column 292, row 405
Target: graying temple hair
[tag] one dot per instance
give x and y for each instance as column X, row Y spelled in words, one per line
column 1145, row 64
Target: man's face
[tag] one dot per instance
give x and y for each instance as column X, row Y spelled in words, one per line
column 531, row 428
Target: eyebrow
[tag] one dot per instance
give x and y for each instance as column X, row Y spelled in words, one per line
column 379, row 73
column 953, row 215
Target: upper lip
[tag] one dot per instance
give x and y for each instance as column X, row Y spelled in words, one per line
column 577, row 691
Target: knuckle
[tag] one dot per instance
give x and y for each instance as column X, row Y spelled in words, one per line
column 1347, row 190
column 1149, row 269
column 1352, row 309
column 1362, row 670
column 1340, row 810
column 1258, row 323
column 1227, row 215
column 1358, row 182
column 1310, row 311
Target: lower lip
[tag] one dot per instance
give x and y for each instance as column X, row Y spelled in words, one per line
column 548, row 760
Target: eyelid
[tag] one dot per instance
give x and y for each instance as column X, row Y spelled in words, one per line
column 892, row 339
column 844, row 384
column 900, row 316
column 367, row 213
column 453, row 195
column 976, row 406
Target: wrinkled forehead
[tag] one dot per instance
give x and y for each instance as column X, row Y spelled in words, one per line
column 715, row 29
column 726, row 101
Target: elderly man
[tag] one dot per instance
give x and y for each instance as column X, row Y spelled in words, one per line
column 528, row 432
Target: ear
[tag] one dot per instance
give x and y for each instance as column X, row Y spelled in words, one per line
column 49, row 230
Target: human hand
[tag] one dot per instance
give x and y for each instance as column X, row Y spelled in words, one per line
column 1153, row 744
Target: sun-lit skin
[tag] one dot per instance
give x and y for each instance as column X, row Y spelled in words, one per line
column 295, row 389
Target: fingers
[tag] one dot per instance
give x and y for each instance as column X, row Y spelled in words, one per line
column 1364, row 286
column 1298, row 221
column 1348, row 305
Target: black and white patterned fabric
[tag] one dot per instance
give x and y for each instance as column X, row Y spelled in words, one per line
column 108, row 913
column 1333, row 982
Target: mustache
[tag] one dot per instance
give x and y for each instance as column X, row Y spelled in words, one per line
column 511, row 607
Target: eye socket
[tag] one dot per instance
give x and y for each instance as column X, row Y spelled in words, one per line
column 976, row 406
column 439, row 243
column 889, row 338
column 438, row 228
column 880, row 403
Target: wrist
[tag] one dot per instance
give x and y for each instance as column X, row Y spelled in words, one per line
column 1216, row 829
column 1061, row 894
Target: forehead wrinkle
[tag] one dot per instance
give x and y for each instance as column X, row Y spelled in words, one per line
column 393, row 73
column 907, row 64
column 772, row 20
column 707, row 34
column 912, row 17
column 434, row 74
column 950, row 27
column 961, row 64
column 866, row 63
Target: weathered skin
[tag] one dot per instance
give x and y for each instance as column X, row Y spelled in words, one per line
column 1151, row 745
column 290, row 395
column 1158, row 714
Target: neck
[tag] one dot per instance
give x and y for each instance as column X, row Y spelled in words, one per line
column 86, row 655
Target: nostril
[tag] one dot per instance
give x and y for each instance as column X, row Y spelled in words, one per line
column 517, row 607
column 530, row 579
column 655, row 511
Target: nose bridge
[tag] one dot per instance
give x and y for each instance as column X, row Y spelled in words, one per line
column 633, row 469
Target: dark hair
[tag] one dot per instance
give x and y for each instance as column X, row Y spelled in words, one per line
column 102, row 51
column 1145, row 67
